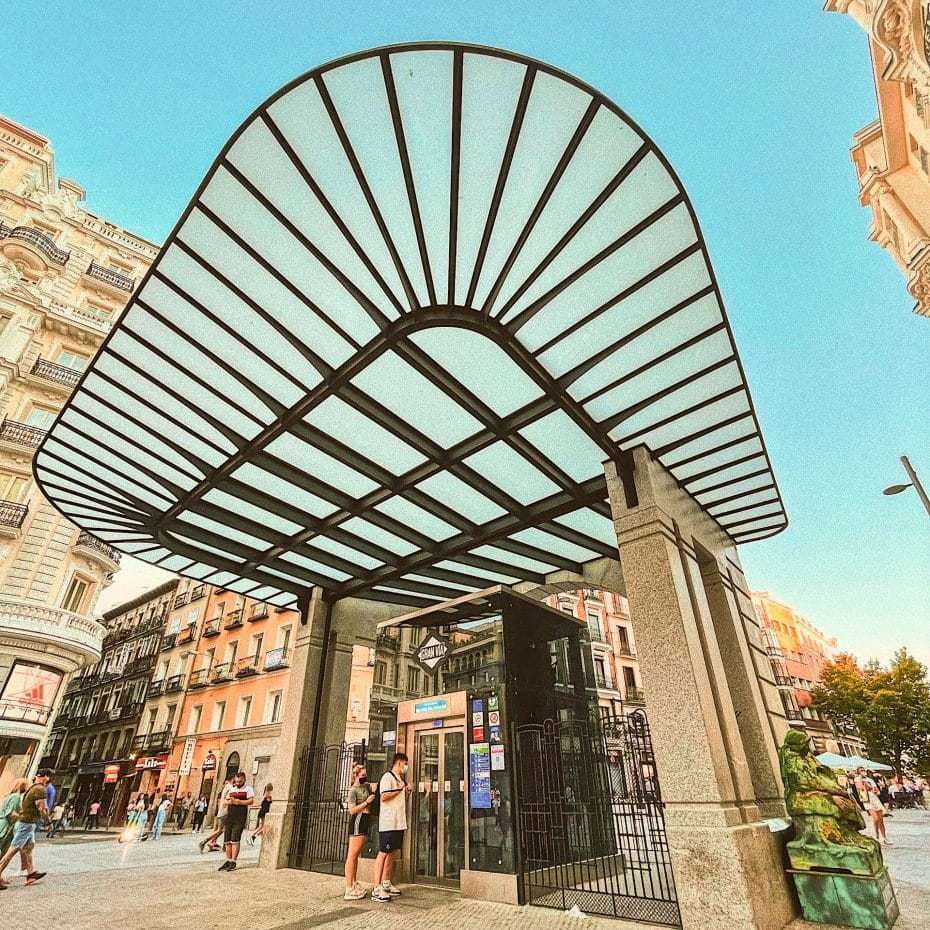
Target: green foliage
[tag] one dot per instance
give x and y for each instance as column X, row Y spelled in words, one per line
column 890, row 707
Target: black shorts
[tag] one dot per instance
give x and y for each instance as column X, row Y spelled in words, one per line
column 232, row 832
column 359, row 824
column 390, row 840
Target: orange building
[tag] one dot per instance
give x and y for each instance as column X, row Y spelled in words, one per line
column 237, row 673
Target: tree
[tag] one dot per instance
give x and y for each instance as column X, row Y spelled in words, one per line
column 889, row 707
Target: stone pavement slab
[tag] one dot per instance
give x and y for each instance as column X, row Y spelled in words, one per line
column 104, row 885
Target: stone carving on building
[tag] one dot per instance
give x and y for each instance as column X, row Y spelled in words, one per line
column 826, row 819
column 12, row 282
column 899, row 27
column 919, row 283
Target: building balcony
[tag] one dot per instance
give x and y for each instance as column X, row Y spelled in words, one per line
column 174, row 684
column 233, row 620
column 38, row 240
column 276, row 658
column 51, row 371
column 158, row 742
column 97, row 548
column 602, row 681
column 21, row 434
column 115, row 279
column 258, row 612
column 131, row 710
column 222, row 672
column 635, row 696
column 247, row 666
column 212, row 627
column 24, row 713
column 187, row 635
column 598, row 636
column 198, row 592
column 12, row 516
column 387, row 641
column 60, row 631
column 156, row 687
column 199, row 679
column 626, row 652
column 181, row 600
column 169, row 641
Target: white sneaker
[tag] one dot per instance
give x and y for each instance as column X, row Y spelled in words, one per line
column 354, row 893
column 392, row 890
column 379, row 894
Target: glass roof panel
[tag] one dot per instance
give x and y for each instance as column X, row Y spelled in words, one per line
column 591, row 523
column 259, row 514
column 481, row 365
column 317, row 463
column 407, row 393
column 717, row 460
column 555, row 544
column 481, row 573
column 335, row 547
column 749, row 484
column 461, row 497
column 380, row 537
column 416, row 518
column 563, row 442
column 277, row 487
column 511, row 558
column 351, row 427
column 512, row 473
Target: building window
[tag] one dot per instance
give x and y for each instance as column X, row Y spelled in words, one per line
column 40, row 417
column 413, row 679
column 219, row 711
column 255, row 645
column 380, row 673
column 169, row 720
column 150, row 723
column 76, row 594
column 13, row 487
column 245, row 709
column 284, row 637
column 196, row 715
column 72, row 360
column 273, row 706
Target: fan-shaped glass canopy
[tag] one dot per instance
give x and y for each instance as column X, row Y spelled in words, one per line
column 423, row 294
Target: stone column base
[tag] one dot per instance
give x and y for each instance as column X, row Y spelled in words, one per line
column 730, row 878
column 276, row 839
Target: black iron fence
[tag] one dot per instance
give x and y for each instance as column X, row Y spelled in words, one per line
column 590, row 819
column 320, row 838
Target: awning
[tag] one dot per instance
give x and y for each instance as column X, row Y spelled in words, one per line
column 423, row 294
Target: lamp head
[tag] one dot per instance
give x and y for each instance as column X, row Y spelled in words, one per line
column 895, row 489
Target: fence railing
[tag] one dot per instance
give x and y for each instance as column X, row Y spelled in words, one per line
column 52, row 371
column 21, row 433
column 13, row 514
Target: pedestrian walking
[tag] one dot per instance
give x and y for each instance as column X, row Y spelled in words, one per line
column 263, row 809
column 54, row 823
column 33, row 808
column 9, row 812
column 183, row 809
column 200, row 811
column 219, row 825
column 393, row 791
column 143, row 819
column 69, row 818
column 359, row 803
column 239, row 799
column 161, row 814
column 871, row 801
column 93, row 816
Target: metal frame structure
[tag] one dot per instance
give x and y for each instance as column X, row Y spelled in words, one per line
column 420, row 298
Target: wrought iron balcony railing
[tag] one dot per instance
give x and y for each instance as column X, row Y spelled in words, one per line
column 635, row 696
column 276, row 658
column 34, row 237
column 212, row 627
column 173, row 684
column 233, row 619
column 603, row 681
column 52, row 371
column 199, row 678
column 248, row 665
column 169, row 641
column 187, row 634
column 258, row 612
column 21, row 433
column 116, row 278
column 222, row 672
column 12, row 514
column 198, row 592
column 91, row 542
column 156, row 687
column 628, row 652
column 180, row 600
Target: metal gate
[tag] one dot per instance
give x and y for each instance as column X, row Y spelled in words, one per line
column 590, row 819
column 321, row 818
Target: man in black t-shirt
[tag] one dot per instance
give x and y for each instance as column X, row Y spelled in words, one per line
column 238, row 801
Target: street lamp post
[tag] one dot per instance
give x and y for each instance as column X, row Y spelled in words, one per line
column 914, row 482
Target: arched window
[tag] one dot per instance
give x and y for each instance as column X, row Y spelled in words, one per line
column 232, row 765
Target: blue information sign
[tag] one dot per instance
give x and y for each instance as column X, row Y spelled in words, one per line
column 479, row 776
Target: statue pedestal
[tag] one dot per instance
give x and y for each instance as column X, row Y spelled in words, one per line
column 865, row 901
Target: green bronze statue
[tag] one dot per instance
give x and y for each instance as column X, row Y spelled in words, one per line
column 827, row 820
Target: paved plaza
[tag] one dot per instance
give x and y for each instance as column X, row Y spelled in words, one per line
column 95, row 882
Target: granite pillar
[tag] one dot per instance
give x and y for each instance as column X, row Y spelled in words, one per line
column 699, row 686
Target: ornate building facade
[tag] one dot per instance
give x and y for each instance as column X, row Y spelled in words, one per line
column 65, row 274
column 798, row 652
column 892, row 154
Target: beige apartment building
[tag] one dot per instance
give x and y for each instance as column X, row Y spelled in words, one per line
column 65, row 275
column 892, row 154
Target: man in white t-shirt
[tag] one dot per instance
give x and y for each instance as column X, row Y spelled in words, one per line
column 239, row 799
column 392, row 823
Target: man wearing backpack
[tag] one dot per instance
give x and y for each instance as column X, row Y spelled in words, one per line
column 392, row 824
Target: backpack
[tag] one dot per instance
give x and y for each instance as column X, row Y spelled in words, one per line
column 375, row 807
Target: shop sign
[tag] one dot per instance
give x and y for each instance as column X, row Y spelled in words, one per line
column 433, row 652
column 111, row 774
column 209, row 762
column 152, row 762
column 431, row 707
column 187, row 757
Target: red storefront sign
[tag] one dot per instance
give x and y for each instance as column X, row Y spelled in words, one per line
column 111, row 774
column 152, row 762
column 209, row 762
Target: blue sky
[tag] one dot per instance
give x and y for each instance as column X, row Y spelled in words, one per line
column 755, row 105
